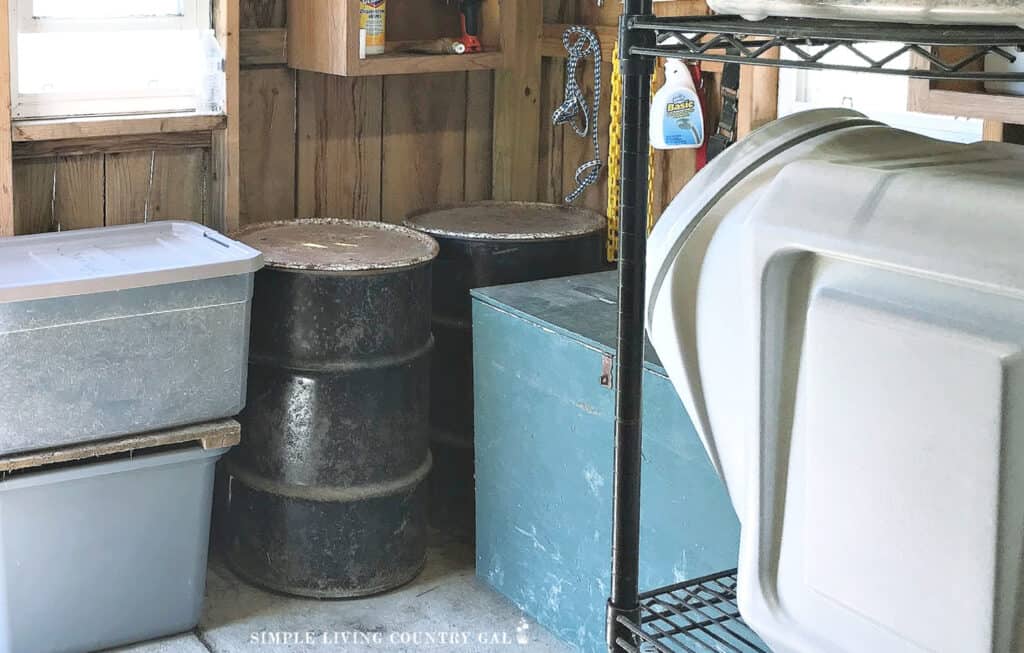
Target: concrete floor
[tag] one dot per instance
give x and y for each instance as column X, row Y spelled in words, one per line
column 446, row 608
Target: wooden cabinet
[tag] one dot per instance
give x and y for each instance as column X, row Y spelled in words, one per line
column 323, row 36
column 967, row 99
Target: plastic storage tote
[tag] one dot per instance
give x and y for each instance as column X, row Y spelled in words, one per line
column 106, row 332
column 102, row 554
column 840, row 305
column 983, row 12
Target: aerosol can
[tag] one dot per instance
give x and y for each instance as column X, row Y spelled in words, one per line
column 372, row 15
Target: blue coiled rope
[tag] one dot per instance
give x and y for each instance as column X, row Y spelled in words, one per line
column 581, row 44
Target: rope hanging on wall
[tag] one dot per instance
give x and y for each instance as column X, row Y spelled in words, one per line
column 581, row 44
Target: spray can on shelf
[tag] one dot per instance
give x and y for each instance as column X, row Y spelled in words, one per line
column 372, row 14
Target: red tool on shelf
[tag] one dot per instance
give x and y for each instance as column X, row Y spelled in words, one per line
column 472, row 24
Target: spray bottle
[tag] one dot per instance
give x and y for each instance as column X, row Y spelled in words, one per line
column 677, row 118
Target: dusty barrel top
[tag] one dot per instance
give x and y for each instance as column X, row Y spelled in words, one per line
column 338, row 245
column 519, row 221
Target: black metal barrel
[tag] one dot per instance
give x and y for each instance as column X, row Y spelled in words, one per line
column 326, row 495
column 486, row 244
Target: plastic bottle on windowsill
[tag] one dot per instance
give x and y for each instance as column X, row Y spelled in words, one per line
column 212, row 86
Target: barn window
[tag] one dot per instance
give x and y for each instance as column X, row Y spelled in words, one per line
column 113, row 57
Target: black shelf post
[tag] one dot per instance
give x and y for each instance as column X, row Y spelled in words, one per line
column 629, row 362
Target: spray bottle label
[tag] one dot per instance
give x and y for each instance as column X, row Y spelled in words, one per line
column 683, row 123
column 371, row 20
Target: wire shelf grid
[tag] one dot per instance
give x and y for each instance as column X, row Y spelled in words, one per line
column 701, row 615
column 695, row 616
column 953, row 52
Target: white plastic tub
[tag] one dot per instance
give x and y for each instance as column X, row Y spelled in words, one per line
column 841, row 307
column 983, row 12
column 106, row 332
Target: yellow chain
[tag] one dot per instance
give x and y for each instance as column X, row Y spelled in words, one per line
column 615, row 164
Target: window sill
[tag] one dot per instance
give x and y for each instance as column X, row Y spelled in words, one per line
column 76, row 128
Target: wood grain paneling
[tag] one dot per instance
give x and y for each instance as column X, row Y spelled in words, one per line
column 111, row 145
column 372, row 148
column 263, row 47
column 415, row 20
column 161, row 185
column 560, row 151
column 79, row 198
column 550, row 186
column 339, row 146
column 34, row 184
column 267, row 116
column 225, row 171
column 7, row 200
column 263, row 13
column 758, row 98
column 577, row 151
column 114, row 127
column 93, row 190
column 60, row 193
column 516, row 91
column 424, row 142
column 479, row 134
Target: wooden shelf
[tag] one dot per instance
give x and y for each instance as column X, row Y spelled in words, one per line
column 925, row 98
column 963, row 99
column 402, row 63
column 323, row 36
column 73, row 128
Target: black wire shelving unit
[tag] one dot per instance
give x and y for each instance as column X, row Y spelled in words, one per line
column 692, row 617
column 701, row 616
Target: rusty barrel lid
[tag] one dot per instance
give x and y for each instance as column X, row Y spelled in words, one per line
column 515, row 221
column 337, row 245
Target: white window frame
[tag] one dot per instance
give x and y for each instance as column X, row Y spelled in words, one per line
column 794, row 95
column 196, row 15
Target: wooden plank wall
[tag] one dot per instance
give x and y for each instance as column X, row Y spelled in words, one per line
column 374, row 148
column 561, row 151
column 58, row 192
column 318, row 145
column 311, row 144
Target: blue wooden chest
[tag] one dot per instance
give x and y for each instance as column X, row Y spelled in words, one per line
column 544, row 430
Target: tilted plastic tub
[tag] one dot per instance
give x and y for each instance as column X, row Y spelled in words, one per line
column 983, row 12
column 106, row 332
column 102, row 554
column 841, row 307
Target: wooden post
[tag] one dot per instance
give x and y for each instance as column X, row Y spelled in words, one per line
column 516, row 109
column 759, row 97
column 225, row 196
column 992, row 130
column 6, row 147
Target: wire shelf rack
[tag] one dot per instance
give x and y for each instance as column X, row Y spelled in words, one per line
column 701, row 615
column 695, row 616
column 953, row 52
